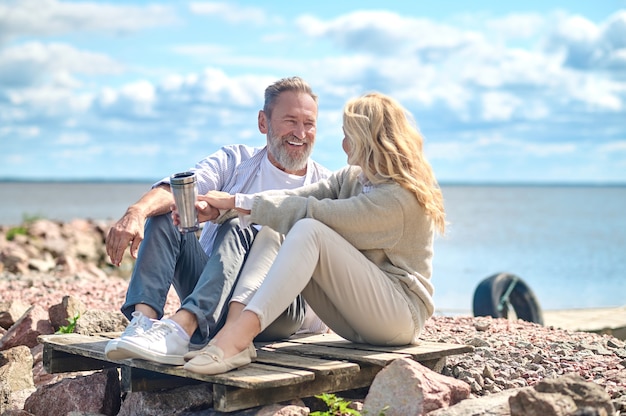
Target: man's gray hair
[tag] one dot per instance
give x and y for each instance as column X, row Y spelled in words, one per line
column 295, row 84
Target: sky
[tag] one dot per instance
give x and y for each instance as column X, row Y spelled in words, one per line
column 503, row 92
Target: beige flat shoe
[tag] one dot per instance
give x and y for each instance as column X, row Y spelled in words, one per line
column 210, row 360
column 191, row 354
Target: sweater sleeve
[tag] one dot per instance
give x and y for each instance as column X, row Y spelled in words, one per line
column 373, row 220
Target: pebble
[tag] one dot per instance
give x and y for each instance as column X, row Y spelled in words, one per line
column 511, row 354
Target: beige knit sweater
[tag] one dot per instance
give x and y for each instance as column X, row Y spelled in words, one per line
column 385, row 222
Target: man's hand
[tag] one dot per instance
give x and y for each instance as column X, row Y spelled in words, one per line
column 127, row 231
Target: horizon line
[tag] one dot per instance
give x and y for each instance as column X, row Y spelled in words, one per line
column 441, row 183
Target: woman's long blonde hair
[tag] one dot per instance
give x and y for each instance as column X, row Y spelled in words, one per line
column 386, row 143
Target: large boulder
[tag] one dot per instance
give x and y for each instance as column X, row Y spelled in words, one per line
column 96, row 393
column 405, row 387
column 25, row 331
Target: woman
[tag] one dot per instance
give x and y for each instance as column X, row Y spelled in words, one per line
column 358, row 246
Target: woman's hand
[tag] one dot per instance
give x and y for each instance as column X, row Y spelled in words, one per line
column 218, row 199
column 205, row 211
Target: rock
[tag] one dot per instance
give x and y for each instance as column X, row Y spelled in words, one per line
column 25, row 331
column 493, row 405
column 283, row 410
column 406, row 387
column 16, row 403
column 16, row 366
column 14, row 257
column 167, row 403
column 61, row 313
column 11, row 311
column 45, row 264
column 5, row 395
column 95, row 321
column 16, row 412
column 95, row 393
column 585, row 394
column 529, row 402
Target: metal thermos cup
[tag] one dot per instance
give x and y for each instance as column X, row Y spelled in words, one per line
column 185, row 191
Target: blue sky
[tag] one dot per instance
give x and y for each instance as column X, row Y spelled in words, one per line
column 531, row 91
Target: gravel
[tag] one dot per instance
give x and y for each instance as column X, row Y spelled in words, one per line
column 508, row 354
column 511, row 354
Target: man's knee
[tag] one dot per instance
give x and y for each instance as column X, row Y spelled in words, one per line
column 160, row 223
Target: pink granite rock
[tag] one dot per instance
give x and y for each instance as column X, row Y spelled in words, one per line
column 406, row 387
column 96, row 393
column 25, row 331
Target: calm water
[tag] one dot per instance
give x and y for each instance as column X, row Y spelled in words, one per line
column 567, row 243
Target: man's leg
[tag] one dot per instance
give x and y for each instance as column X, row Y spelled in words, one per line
column 166, row 257
column 169, row 339
column 209, row 297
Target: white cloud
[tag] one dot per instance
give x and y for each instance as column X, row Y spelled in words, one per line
column 205, row 51
column 475, row 148
column 232, row 12
column 613, row 147
column 50, row 101
column 586, row 45
column 520, row 87
column 34, row 63
column 517, row 26
column 143, row 150
column 52, row 17
column 75, row 138
column 499, row 106
column 20, row 132
column 383, row 32
column 135, row 99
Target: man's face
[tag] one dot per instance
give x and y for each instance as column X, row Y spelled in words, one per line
column 291, row 131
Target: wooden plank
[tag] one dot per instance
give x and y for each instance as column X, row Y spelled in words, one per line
column 253, row 375
column 424, row 350
column 55, row 361
column 298, row 367
column 228, row 399
column 316, row 365
column 380, row 359
column 85, row 345
column 67, row 353
column 138, row 379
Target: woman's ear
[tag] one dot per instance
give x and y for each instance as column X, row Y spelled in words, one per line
column 263, row 122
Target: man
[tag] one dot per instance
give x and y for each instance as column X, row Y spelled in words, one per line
column 203, row 272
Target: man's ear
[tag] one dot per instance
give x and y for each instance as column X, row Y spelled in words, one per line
column 263, row 122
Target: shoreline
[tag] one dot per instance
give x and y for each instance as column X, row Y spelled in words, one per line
column 610, row 320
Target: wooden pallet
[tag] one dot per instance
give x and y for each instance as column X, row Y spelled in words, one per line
column 299, row 367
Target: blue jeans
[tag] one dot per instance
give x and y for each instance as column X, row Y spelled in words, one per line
column 204, row 284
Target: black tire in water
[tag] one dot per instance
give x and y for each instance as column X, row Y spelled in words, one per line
column 495, row 294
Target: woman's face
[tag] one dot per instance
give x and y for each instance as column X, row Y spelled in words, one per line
column 345, row 145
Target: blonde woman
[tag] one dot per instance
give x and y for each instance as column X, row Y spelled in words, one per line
column 358, row 246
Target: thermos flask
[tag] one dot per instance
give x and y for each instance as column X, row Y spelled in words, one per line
column 185, row 191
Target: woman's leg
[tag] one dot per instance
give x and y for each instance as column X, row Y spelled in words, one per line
column 260, row 258
column 347, row 291
column 363, row 304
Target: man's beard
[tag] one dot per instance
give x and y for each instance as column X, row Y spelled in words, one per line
column 291, row 161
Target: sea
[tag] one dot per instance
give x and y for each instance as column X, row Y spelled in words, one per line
column 566, row 242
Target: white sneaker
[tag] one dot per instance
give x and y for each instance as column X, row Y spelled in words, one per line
column 138, row 325
column 161, row 344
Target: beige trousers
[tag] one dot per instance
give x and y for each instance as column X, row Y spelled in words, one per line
column 346, row 290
